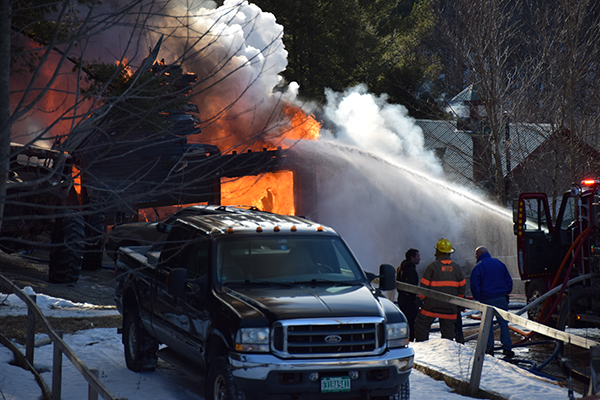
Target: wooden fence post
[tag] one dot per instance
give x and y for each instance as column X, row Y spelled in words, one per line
column 479, row 355
column 594, row 388
column 57, row 370
column 93, row 393
column 30, row 334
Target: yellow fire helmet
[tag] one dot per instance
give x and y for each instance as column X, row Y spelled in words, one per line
column 444, row 246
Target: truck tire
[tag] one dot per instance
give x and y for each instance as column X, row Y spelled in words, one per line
column 66, row 254
column 140, row 347
column 219, row 382
column 403, row 393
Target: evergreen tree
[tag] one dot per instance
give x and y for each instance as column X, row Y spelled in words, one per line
column 341, row 43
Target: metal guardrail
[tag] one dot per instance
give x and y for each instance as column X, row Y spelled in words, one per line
column 60, row 347
column 486, row 322
column 524, row 322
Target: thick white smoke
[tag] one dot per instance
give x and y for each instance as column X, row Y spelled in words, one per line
column 238, row 55
column 371, row 123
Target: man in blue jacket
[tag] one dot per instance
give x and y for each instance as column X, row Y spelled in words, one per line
column 491, row 284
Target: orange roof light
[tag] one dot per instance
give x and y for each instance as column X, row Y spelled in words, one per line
column 276, row 229
column 320, row 229
column 293, row 228
column 230, row 230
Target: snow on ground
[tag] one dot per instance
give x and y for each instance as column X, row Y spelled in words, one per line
column 11, row 304
column 102, row 349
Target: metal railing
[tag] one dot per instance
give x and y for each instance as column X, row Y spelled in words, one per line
column 487, row 313
column 60, row 347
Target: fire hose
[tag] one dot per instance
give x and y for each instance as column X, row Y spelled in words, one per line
column 579, row 242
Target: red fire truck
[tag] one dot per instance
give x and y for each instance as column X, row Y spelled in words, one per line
column 563, row 254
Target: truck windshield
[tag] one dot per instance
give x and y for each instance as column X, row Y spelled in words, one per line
column 286, row 260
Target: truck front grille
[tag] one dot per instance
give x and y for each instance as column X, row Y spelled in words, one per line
column 310, row 338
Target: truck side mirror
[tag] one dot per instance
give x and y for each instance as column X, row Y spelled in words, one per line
column 387, row 277
column 176, row 282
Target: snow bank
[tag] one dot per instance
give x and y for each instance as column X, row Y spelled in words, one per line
column 497, row 376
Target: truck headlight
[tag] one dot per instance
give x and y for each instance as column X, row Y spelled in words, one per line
column 397, row 334
column 252, row 340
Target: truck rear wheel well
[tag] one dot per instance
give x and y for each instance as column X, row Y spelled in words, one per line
column 129, row 301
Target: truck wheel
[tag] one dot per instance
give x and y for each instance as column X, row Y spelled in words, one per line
column 65, row 258
column 220, row 384
column 140, row 347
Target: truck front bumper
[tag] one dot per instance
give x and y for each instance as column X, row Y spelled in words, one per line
column 268, row 377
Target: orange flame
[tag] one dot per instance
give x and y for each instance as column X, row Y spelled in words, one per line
column 76, row 174
column 124, row 64
column 229, row 136
column 273, row 192
column 303, row 126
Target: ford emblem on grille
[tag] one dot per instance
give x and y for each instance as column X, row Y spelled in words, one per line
column 333, row 339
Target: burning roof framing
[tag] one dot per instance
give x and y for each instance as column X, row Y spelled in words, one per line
column 127, row 165
column 134, row 148
column 166, row 173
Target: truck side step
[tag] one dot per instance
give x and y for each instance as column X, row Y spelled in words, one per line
column 188, row 367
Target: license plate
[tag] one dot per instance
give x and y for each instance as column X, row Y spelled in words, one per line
column 335, row 384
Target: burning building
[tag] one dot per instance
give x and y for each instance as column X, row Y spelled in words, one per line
column 130, row 168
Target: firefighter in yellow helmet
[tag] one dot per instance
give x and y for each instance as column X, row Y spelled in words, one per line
column 442, row 275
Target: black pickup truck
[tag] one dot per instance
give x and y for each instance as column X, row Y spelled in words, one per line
column 267, row 307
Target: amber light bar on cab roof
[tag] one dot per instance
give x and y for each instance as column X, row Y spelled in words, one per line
column 276, row 228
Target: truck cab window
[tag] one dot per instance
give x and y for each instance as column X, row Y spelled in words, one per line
column 535, row 213
column 569, row 215
column 172, row 255
column 285, row 260
column 195, row 258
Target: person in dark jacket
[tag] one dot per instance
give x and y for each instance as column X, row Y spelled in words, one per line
column 491, row 284
column 442, row 275
column 409, row 302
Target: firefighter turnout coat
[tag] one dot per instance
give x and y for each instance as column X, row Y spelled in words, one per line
column 442, row 275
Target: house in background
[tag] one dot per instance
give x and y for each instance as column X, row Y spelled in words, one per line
column 548, row 168
column 462, row 160
column 532, row 157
